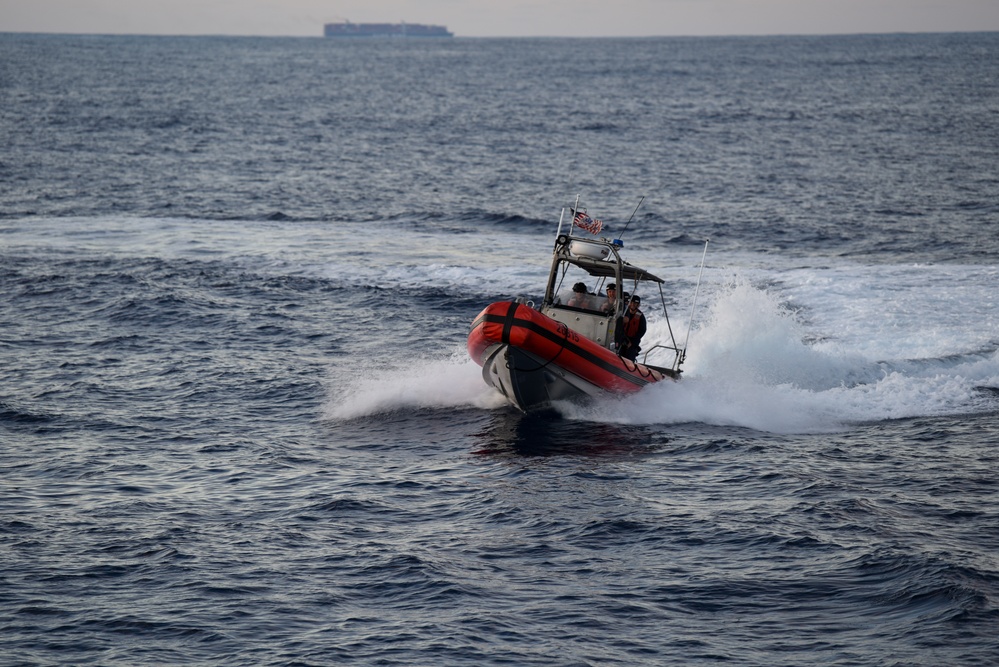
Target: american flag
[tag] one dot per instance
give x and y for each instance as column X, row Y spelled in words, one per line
column 586, row 223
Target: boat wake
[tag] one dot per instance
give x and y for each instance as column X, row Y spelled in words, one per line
column 452, row 382
column 752, row 365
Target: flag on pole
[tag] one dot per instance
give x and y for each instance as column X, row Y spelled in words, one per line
column 586, row 223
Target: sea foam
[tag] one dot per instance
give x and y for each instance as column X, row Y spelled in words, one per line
column 453, row 381
column 753, row 363
column 750, row 365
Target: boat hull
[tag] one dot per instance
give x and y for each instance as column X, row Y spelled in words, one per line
column 534, row 360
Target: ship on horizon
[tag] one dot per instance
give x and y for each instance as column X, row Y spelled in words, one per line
column 348, row 29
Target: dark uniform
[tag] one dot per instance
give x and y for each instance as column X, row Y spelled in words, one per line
column 629, row 331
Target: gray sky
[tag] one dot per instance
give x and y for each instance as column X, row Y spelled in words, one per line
column 502, row 18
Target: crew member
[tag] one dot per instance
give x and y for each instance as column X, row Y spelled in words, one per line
column 611, row 299
column 630, row 329
column 580, row 298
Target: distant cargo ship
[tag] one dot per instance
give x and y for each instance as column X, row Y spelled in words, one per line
column 348, row 29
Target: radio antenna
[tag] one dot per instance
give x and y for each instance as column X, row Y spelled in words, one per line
column 632, row 216
column 696, row 288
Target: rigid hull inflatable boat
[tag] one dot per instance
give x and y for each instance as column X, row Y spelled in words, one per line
column 568, row 347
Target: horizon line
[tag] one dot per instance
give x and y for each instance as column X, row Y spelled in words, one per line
column 456, row 36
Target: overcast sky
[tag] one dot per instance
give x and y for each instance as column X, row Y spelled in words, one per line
column 502, row 18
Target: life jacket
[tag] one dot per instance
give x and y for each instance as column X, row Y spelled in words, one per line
column 634, row 324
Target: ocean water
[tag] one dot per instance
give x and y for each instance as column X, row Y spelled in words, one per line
column 238, row 424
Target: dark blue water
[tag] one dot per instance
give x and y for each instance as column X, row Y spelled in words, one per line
column 238, row 424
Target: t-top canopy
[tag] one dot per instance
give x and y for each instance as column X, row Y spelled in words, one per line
column 606, row 269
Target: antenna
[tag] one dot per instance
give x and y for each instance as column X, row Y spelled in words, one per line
column 696, row 288
column 632, row 216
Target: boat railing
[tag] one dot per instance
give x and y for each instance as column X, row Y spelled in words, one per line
column 677, row 354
